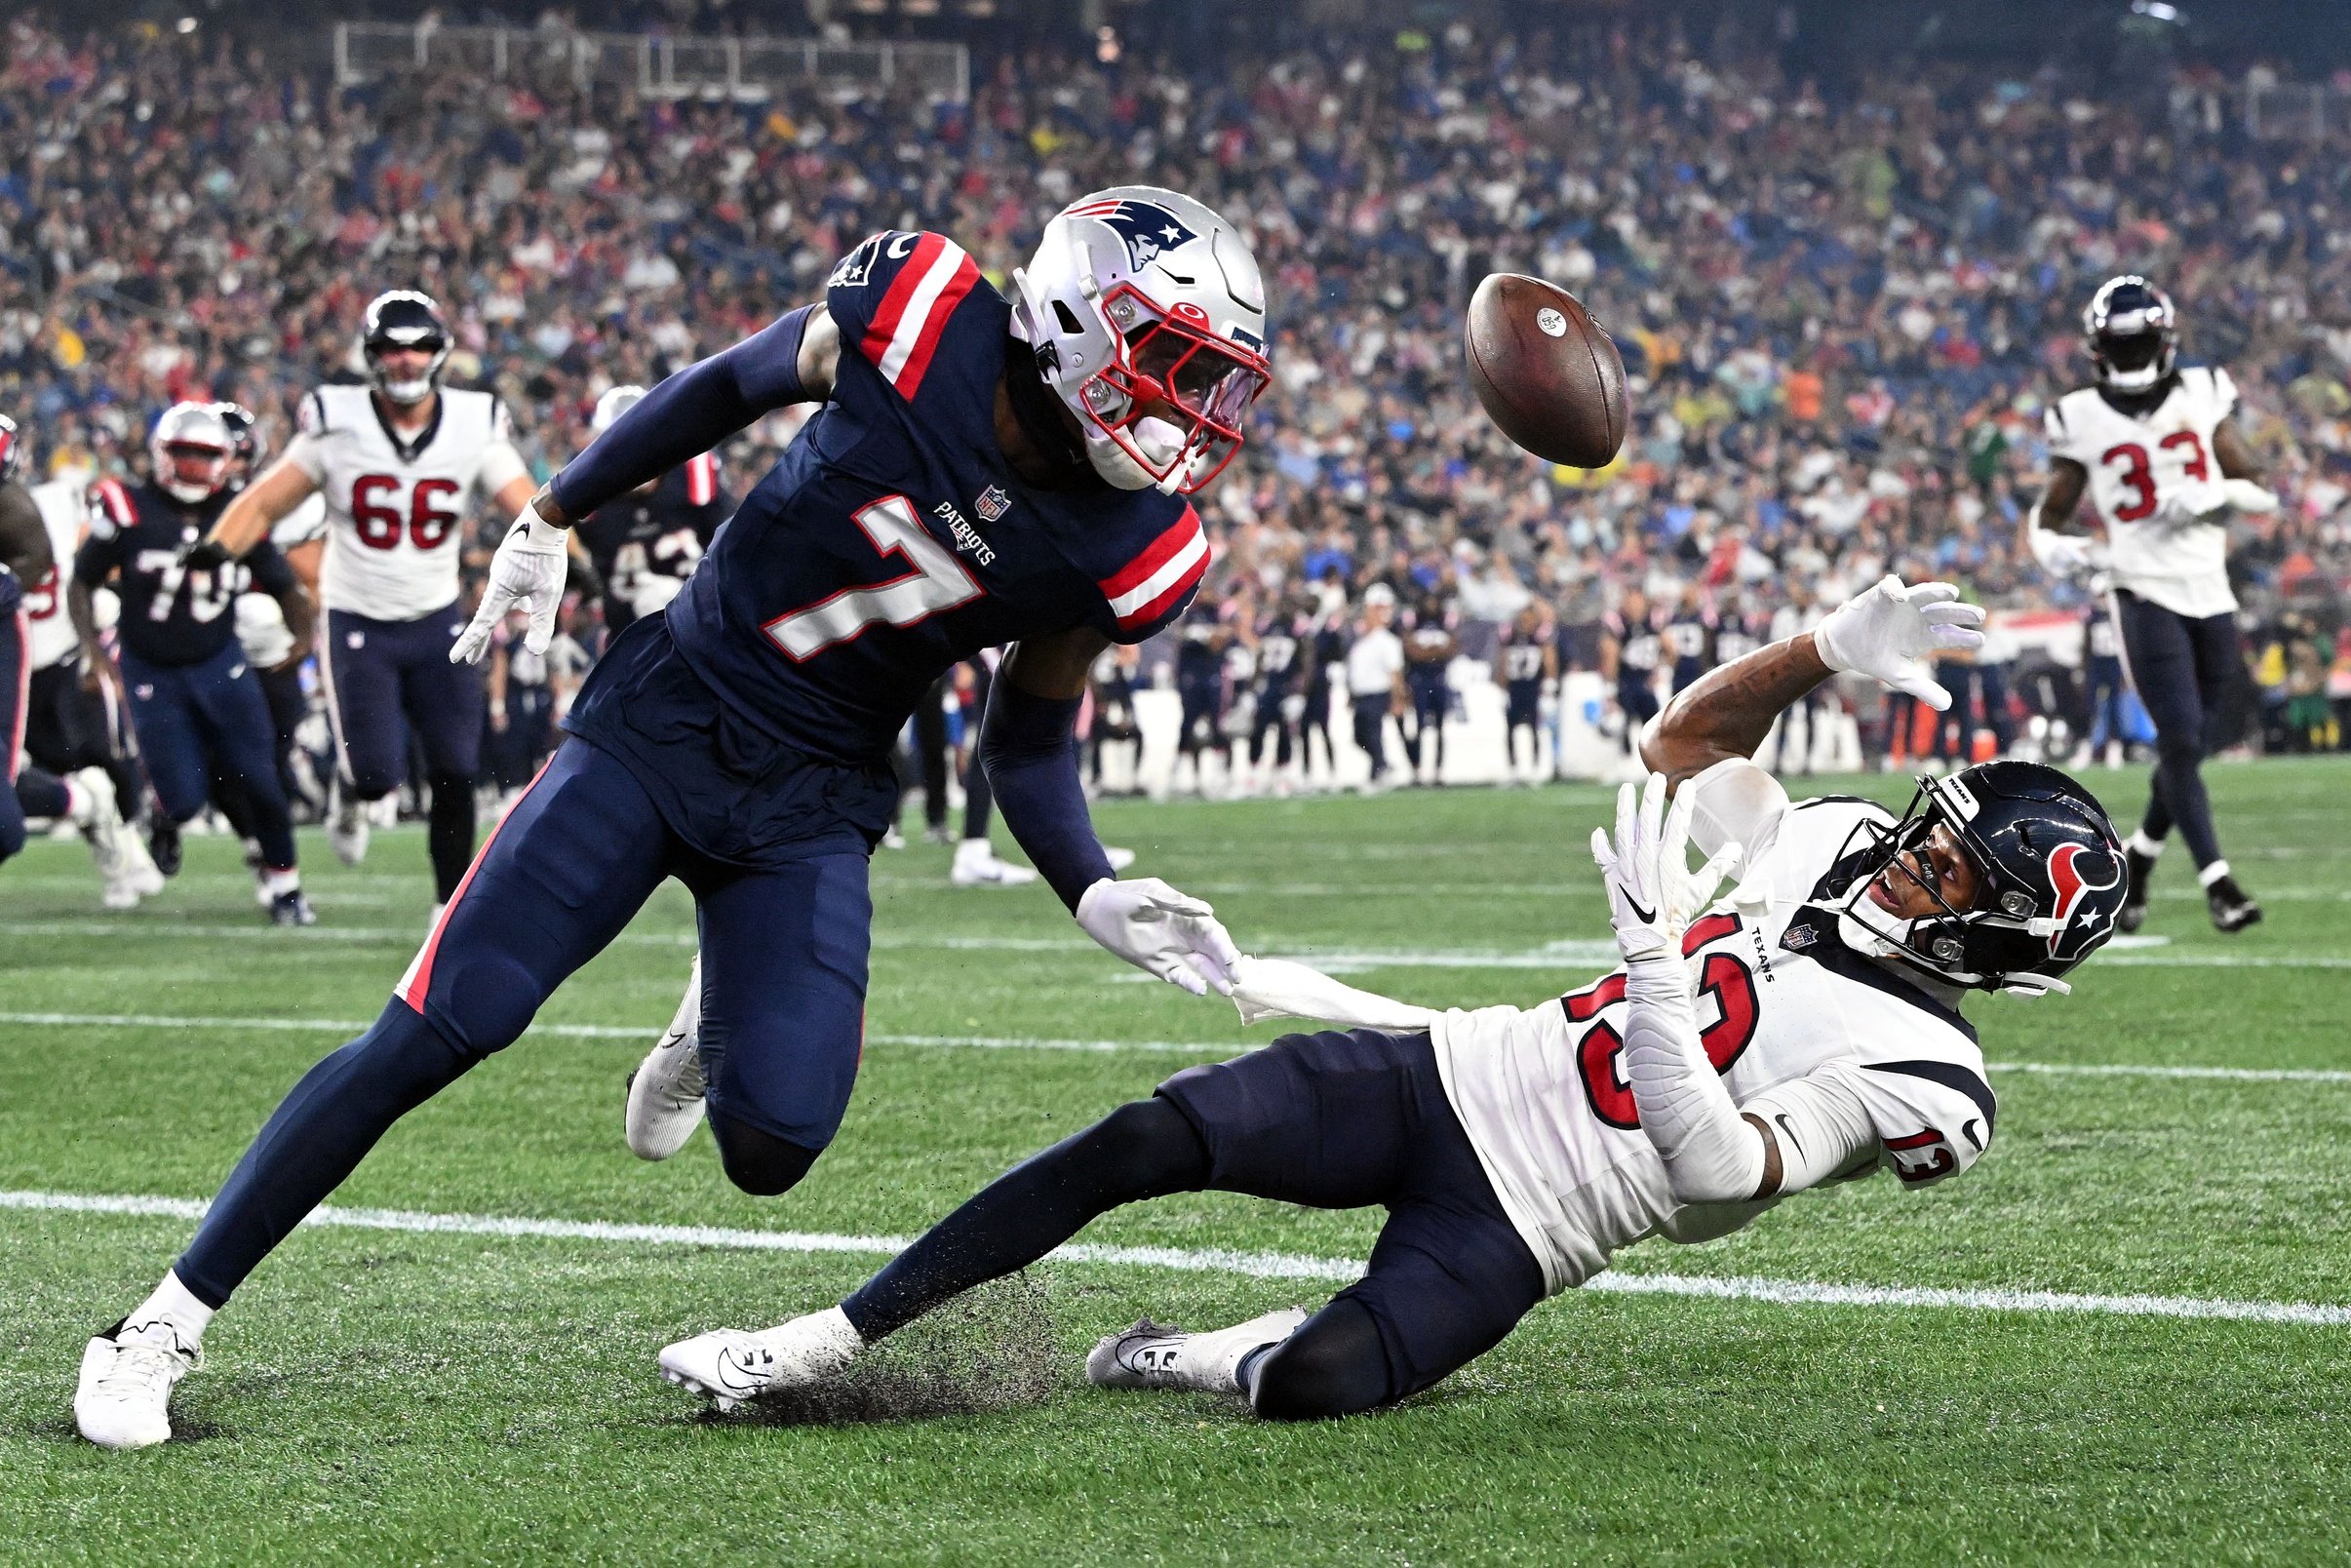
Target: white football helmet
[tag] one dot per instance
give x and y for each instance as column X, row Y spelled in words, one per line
column 192, row 451
column 1148, row 318
column 615, row 402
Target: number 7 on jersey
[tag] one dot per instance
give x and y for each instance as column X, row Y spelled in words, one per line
column 938, row 582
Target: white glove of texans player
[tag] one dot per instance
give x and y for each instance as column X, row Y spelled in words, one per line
column 1653, row 894
column 1890, row 632
column 527, row 572
column 1160, row 930
column 2066, row 555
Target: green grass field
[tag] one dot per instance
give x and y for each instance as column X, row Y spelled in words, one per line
column 395, row 1394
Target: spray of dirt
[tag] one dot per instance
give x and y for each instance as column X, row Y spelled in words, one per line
column 989, row 1349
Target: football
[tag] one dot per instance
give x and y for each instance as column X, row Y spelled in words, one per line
column 1547, row 374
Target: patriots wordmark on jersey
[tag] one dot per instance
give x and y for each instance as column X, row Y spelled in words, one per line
column 2141, row 468
column 396, row 505
column 1542, row 1094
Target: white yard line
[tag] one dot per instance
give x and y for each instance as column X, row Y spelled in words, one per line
column 1248, row 1265
column 1023, row 1043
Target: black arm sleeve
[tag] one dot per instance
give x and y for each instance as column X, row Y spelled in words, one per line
column 272, row 574
column 687, row 414
column 97, row 560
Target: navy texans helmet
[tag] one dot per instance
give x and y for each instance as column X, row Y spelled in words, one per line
column 253, row 441
column 403, row 318
column 2050, row 879
column 2133, row 332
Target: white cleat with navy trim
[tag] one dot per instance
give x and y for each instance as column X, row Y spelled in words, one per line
column 124, row 1396
column 347, row 828
column 665, row 1092
column 729, row 1365
column 1155, row 1356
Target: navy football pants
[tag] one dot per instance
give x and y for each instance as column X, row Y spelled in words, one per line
column 2190, row 673
column 379, row 673
column 194, row 720
column 783, row 995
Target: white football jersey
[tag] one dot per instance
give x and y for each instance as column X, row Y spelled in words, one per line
column 396, row 511
column 64, row 509
column 1542, row 1092
column 2137, row 466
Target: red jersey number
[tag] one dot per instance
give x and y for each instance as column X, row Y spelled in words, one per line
column 1599, row 1055
column 2137, row 477
column 379, row 526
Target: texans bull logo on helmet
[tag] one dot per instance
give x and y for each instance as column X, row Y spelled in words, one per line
column 1147, row 227
column 2075, row 875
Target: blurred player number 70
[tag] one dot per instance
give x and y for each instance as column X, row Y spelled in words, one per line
column 1550, row 377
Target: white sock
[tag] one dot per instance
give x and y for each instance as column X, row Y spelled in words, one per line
column 80, row 808
column 289, row 881
column 2144, row 846
column 174, row 1304
column 2213, row 873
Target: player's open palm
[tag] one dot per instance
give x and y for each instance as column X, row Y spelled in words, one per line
column 1162, row 931
column 1893, row 632
column 527, row 573
column 1653, row 894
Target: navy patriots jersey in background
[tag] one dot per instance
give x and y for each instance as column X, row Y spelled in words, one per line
column 646, row 543
column 171, row 614
column 892, row 540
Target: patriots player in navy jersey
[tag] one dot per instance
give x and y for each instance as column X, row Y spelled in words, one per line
column 982, row 472
column 196, row 702
column 644, row 544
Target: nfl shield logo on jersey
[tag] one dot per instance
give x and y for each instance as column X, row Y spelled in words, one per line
column 993, row 503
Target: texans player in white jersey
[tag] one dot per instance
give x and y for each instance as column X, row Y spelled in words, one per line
column 1802, row 1030
column 2153, row 448
column 73, row 726
column 401, row 462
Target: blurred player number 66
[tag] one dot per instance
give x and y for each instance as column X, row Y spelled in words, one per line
column 1547, row 374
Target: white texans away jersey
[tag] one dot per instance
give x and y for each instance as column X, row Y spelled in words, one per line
column 2137, row 467
column 65, row 508
column 396, row 509
column 1542, row 1091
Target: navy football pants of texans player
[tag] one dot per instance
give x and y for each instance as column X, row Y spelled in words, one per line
column 31, row 793
column 379, row 673
column 2189, row 671
column 1329, row 1120
column 196, row 720
column 783, row 999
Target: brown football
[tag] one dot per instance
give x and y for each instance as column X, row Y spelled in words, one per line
column 1550, row 377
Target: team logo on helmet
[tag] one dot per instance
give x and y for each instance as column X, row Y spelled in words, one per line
column 1147, row 227
column 2066, row 876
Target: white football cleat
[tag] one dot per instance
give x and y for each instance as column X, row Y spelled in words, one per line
column 729, row 1365
column 347, row 829
column 123, row 1398
column 665, row 1092
column 976, row 866
column 130, row 874
column 1154, row 1355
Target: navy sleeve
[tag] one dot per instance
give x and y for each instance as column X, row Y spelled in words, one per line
column 1028, row 747
column 270, row 573
column 687, row 414
column 97, row 560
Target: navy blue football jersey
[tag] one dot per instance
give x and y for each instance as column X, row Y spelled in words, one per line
column 893, row 540
column 646, row 543
column 171, row 614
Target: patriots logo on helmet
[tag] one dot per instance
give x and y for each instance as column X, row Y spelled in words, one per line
column 2066, row 876
column 1147, row 227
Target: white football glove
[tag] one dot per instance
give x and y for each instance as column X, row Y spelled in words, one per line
column 1652, row 893
column 2066, row 555
column 527, row 572
column 1891, row 631
column 1160, row 931
column 2247, row 497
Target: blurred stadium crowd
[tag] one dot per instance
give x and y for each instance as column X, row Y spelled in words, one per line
column 1842, row 314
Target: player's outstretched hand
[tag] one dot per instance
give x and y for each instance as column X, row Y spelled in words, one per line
column 2066, row 555
column 1891, row 632
column 1653, row 894
column 527, row 572
column 1161, row 932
